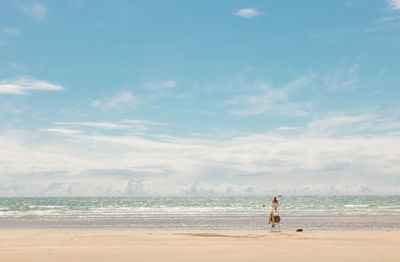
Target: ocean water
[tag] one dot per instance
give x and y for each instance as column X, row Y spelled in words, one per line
column 201, row 213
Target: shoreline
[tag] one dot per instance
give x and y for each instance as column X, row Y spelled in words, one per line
column 175, row 222
column 198, row 245
column 200, row 230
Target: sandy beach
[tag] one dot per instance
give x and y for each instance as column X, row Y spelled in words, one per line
column 169, row 245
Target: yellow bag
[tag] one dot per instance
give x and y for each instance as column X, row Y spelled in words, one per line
column 271, row 218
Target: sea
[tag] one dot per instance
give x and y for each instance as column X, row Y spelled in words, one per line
column 201, row 213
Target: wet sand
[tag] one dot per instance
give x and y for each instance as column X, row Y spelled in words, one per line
column 170, row 245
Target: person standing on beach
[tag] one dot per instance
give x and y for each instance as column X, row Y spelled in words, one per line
column 275, row 203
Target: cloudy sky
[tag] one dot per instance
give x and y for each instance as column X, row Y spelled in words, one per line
column 199, row 97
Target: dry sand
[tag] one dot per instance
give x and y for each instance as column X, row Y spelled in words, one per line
column 109, row 245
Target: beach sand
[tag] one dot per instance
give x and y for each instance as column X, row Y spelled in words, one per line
column 169, row 245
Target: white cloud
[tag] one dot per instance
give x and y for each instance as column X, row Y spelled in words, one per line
column 62, row 131
column 22, row 85
column 388, row 19
column 160, row 85
column 340, row 123
column 267, row 99
column 343, row 79
column 129, row 124
column 36, row 10
column 384, row 23
column 109, row 164
column 248, row 12
column 168, row 83
column 143, row 122
column 287, row 128
column 116, row 102
column 373, row 29
column 102, row 125
column 394, row 4
column 9, row 31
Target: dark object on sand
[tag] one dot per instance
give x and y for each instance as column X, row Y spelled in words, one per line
column 299, row 230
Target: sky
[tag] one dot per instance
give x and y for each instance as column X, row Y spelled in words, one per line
column 186, row 98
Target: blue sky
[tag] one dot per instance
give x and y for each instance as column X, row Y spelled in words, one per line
column 199, row 97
